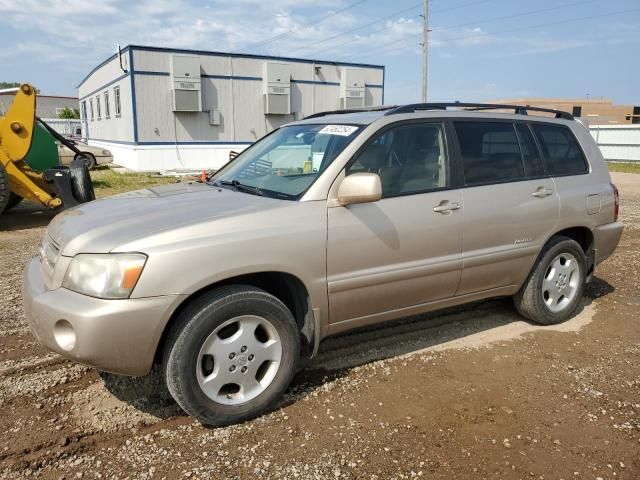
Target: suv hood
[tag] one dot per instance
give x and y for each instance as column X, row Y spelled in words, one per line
column 102, row 225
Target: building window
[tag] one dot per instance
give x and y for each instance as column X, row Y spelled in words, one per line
column 577, row 111
column 116, row 99
column 91, row 108
column 636, row 115
column 107, row 109
column 99, row 114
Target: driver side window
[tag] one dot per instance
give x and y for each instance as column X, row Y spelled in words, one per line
column 408, row 158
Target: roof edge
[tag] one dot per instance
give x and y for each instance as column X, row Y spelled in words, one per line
column 227, row 54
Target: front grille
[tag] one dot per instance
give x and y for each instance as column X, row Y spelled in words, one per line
column 49, row 255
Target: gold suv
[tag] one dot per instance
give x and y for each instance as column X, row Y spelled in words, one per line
column 338, row 221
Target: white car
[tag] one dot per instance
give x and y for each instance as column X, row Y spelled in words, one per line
column 93, row 155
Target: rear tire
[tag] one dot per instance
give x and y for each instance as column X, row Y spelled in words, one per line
column 5, row 192
column 14, row 200
column 89, row 159
column 81, row 185
column 231, row 354
column 553, row 291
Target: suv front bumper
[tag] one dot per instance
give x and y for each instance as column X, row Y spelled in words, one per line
column 119, row 336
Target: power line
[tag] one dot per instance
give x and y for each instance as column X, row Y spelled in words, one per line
column 456, row 7
column 524, row 14
column 385, row 45
column 399, row 12
column 488, row 20
column 305, row 25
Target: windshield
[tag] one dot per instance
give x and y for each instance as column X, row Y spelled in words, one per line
column 286, row 163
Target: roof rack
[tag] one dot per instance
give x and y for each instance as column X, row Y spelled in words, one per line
column 518, row 109
column 379, row 108
column 470, row 107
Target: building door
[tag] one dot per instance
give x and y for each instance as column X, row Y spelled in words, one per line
column 85, row 133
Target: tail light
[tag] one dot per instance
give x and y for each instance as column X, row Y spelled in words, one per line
column 616, row 199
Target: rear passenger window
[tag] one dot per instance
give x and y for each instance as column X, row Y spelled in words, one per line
column 532, row 162
column 490, row 152
column 560, row 149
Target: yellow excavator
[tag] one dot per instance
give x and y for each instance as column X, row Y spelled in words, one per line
column 29, row 162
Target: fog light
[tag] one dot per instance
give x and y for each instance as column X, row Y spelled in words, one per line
column 65, row 335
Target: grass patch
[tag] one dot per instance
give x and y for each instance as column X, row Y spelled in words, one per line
column 108, row 182
column 628, row 167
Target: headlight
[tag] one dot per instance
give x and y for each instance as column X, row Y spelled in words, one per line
column 106, row 153
column 104, row 275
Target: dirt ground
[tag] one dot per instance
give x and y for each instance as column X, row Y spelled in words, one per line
column 468, row 393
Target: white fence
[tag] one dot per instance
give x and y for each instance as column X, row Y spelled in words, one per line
column 618, row 143
column 65, row 126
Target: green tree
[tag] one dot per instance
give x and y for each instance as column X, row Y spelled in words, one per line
column 13, row 85
column 9, row 84
column 67, row 112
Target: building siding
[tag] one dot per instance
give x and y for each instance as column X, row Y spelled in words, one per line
column 231, row 85
column 46, row 106
column 594, row 111
column 105, row 79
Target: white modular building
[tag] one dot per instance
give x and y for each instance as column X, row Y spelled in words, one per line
column 162, row 109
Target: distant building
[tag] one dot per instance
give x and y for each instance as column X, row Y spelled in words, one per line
column 595, row 111
column 160, row 108
column 47, row 106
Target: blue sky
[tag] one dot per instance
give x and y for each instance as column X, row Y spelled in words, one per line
column 480, row 50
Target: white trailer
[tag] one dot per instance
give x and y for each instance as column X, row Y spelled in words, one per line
column 161, row 109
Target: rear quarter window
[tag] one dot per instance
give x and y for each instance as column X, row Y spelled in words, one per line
column 561, row 152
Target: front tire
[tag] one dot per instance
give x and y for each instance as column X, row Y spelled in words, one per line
column 14, row 201
column 231, row 354
column 5, row 191
column 553, row 292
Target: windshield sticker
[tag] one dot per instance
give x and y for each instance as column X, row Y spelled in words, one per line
column 316, row 160
column 342, row 130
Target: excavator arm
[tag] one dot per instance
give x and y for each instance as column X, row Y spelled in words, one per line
column 16, row 135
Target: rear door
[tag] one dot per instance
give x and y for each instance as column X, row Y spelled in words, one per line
column 510, row 204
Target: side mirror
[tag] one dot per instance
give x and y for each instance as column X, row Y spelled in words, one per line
column 360, row 188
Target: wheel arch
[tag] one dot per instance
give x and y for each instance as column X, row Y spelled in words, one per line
column 286, row 287
column 584, row 237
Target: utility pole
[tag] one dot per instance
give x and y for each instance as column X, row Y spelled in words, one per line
column 425, row 48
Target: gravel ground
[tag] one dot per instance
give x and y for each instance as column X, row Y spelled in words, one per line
column 471, row 392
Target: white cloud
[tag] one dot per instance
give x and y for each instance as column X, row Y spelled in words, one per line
column 82, row 31
column 57, row 8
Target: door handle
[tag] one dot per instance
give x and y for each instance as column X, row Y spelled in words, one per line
column 542, row 192
column 446, row 207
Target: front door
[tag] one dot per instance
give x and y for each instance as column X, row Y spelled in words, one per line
column 511, row 206
column 390, row 257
